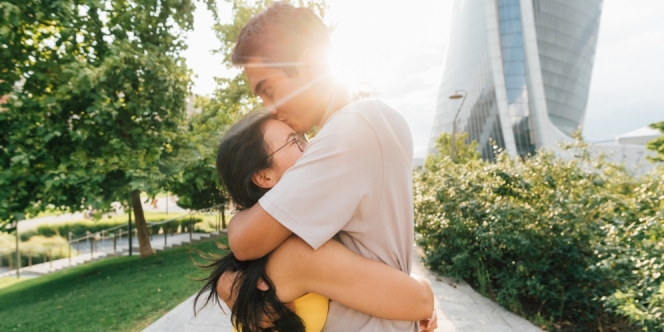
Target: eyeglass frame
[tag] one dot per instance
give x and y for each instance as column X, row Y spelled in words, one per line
column 302, row 139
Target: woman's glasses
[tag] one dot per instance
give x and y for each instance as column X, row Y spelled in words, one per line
column 300, row 141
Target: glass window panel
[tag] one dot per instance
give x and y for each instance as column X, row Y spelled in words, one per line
column 514, row 68
column 513, row 53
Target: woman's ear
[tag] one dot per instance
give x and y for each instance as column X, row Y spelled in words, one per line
column 264, row 178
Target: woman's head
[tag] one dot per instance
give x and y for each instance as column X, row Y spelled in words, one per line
column 251, row 304
column 254, row 154
column 252, row 157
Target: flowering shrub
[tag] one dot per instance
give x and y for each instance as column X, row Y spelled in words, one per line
column 572, row 242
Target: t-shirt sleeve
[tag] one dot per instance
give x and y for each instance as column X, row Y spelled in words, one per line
column 318, row 196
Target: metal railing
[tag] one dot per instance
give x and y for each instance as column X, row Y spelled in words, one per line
column 115, row 234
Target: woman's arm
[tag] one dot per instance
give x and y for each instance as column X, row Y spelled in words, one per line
column 359, row 283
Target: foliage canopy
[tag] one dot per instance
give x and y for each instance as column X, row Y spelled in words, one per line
column 94, row 97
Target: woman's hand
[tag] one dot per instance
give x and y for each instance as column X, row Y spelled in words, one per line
column 429, row 325
column 225, row 288
column 226, row 294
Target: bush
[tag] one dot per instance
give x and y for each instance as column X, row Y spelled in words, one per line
column 37, row 248
column 633, row 251
column 79, row 229
column 547, row 237
column 76, row 228
column 26, row 235
column 179, row 225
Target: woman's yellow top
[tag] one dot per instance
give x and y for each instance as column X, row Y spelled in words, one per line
column 312, row 309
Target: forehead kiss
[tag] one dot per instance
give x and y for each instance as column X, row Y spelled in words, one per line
column 285, row 92
column 277, row 133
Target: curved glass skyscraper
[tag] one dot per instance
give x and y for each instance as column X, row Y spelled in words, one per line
column 524, row 66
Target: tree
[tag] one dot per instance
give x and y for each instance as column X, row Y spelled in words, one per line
column 657, row 144
column 463, row 152
column 95, row 100
column 196, row 184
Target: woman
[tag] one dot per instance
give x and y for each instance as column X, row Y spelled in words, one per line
column 251, row 159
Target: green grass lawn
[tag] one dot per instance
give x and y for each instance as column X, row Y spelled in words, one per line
column 8, row 281
column 116, row 294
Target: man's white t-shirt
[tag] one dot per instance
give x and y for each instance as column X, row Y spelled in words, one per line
column 354, row 180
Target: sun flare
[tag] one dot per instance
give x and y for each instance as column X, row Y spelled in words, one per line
column 363, row 46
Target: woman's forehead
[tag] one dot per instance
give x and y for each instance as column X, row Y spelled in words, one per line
column 278, row 127
column 277, row 131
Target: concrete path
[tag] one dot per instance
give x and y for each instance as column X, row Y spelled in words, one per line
column 458, row 306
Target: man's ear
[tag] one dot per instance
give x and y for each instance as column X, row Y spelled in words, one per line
column 264, row 178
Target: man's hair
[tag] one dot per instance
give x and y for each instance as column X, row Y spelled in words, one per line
column 280, row 33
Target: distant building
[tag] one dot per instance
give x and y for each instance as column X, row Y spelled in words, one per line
column 640, row 136
column 630, row 149
column 418, row 163
column 525, row 67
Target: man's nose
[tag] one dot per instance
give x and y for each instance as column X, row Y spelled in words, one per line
column 279, row 116
column 270, row 107
column 272, row 110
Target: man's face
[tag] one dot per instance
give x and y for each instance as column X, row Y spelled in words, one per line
column 287, row 95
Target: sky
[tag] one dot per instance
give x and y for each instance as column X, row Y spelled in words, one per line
column 400, row 50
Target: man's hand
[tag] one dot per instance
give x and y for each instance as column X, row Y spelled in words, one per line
column 429, row 325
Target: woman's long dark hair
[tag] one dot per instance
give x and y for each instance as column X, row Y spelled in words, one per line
column 242, row 153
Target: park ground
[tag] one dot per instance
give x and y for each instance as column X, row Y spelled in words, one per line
column 116, row 294
column 155, row 294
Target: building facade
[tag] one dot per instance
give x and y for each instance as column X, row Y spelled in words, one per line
column 524, row 67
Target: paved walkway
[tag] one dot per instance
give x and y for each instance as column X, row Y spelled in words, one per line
column 459, row 308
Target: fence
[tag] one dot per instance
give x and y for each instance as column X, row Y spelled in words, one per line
column 115, row 235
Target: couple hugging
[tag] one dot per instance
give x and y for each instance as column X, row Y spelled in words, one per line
column 323, row 240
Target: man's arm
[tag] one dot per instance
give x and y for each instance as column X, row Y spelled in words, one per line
column 253, row 233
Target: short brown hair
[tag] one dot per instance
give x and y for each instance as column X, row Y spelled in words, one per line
column 280, row 33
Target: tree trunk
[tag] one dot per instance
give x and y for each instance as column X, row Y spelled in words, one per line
column 141, row 227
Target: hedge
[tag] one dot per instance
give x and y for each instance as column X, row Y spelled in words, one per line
column 571, row 244
column 79, row 228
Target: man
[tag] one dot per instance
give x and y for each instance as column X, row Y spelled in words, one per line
column 353, row 181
